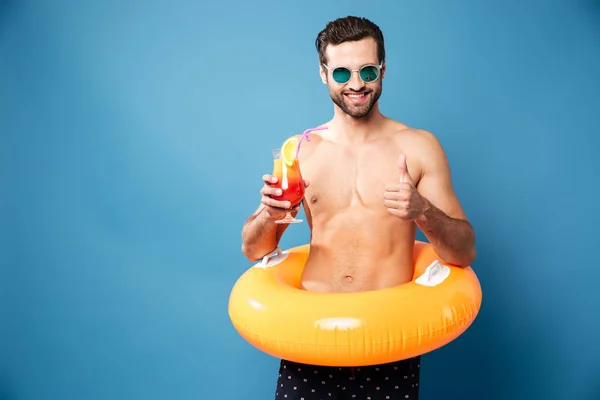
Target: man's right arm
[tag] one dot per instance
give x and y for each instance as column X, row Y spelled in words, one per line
column 260, row 234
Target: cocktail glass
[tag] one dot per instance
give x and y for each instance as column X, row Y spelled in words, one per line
column 289, row 180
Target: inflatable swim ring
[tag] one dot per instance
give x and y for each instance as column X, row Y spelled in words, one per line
column 269, row 309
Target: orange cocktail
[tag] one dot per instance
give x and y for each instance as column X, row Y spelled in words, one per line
column 289, row 180
column 286, row 168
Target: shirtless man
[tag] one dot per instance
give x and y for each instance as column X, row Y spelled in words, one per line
column 371, row 181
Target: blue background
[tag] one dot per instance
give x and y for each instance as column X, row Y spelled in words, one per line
column 133, row 136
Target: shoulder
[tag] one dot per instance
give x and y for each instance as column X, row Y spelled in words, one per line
column 419, row 141
column 415, row 136
column 423, row 147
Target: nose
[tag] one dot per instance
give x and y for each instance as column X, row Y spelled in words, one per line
column 355, row 83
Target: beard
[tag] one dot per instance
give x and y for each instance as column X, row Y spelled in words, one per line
column 360, row 110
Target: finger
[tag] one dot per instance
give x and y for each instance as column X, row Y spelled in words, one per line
column 269, row 178
column 391, row 204
column 306, row 183
column 397, row 213
column 393, row 187
column 283, row 205
column 399, row 187
column 270, row 191
column 275, row 205
column 401, row 212
column 400, row 203
column 404, row 175
column 396, row 204
column 395, row 196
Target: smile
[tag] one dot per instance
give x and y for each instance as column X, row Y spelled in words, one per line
column 356, row 97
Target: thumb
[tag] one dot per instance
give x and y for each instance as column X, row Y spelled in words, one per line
column 404, row 175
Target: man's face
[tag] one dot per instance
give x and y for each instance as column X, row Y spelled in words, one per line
column 355, row 97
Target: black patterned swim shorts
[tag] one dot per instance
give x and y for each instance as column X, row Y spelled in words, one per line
column 394, row 381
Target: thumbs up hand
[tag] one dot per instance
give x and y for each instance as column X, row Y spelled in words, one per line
column 402, row 199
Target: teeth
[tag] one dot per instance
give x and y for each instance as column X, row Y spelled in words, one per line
column 356, row 96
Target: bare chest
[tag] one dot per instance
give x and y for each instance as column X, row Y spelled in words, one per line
column 344, row 178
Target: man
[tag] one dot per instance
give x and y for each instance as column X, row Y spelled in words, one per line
column 371, row 181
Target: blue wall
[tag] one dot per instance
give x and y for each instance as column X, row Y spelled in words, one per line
column 133, row 138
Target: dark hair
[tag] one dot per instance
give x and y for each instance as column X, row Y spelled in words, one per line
column 349, row 29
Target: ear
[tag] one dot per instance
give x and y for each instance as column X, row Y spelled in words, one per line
column 323, row 73
column 383, row 70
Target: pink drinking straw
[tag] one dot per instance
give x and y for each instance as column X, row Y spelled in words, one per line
column 305, row 136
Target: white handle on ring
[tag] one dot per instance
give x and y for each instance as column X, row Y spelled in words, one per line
column 265, row 259
column 434, row 274
column 272, row 258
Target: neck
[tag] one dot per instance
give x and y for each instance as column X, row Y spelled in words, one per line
column 352, row 130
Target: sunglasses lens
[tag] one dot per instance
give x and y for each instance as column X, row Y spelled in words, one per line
column 341, row 75
column 369, row 73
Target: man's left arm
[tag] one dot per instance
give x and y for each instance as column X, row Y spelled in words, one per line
column 443, row 220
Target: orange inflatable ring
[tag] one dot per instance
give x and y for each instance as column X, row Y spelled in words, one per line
column 269, row 309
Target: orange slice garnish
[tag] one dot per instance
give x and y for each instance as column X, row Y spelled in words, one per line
column 288, row 151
